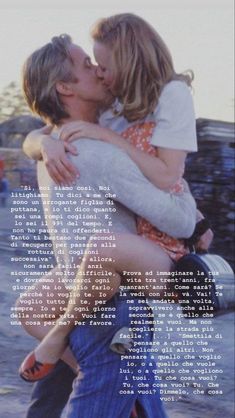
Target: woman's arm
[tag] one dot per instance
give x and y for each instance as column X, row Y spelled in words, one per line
column 163, row 171
column 39, row 145
column 174, row 135
column 33, row 142
column 206, row 239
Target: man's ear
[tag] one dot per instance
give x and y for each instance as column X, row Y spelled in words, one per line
column 64, row 88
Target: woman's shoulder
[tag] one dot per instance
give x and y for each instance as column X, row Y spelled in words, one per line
column 175, row 118
column 175, row 88
column 175, row 95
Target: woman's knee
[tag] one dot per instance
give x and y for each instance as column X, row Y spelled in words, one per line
column 101, row 247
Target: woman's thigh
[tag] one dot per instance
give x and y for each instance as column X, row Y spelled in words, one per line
column 134, row 255
column 50, row 291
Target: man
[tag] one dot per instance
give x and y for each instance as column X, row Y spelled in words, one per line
column 72, row 91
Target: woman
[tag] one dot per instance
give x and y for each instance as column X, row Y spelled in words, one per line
column 135, row 64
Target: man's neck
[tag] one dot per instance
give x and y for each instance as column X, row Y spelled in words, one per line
column 85, row 111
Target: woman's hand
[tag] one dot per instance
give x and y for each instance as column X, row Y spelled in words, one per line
column 205, row 240
column 79, row 129
column 60, row 168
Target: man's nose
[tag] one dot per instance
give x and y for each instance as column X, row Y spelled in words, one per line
column 99, row 73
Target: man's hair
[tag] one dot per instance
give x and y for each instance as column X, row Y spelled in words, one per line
column 142, row 63
column 42, row 70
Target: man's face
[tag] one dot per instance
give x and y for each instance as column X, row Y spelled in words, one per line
column 88, row 86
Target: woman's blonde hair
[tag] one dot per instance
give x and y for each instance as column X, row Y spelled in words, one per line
column 142, row 63
column 41, row 71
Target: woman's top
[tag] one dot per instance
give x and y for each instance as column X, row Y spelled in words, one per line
column 174, row 117
column 140, row 135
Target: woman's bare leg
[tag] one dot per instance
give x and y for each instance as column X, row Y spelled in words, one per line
column 131, row 253
column 42, row 317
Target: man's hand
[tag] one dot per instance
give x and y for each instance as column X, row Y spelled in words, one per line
column 60, row 168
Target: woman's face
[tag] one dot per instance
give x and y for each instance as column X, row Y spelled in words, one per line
column 104, row 70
